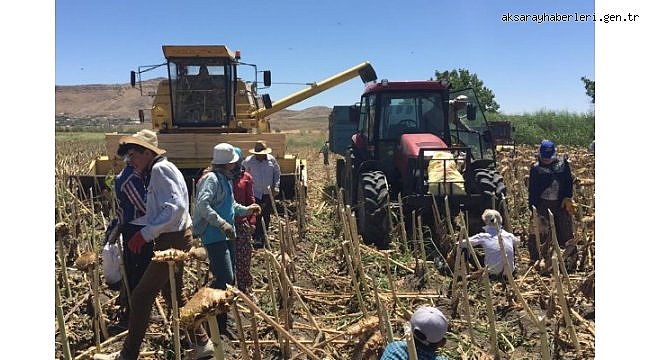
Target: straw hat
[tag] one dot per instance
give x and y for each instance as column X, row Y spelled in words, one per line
column 145, row 138
column 260, row 148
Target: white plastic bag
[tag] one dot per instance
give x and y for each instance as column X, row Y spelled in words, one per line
column 111, row 258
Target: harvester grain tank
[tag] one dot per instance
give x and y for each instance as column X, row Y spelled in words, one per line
column 204, row 101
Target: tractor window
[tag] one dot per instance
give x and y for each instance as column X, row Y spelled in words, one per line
column 199, row 94
column 367, row 117
column 411, row 112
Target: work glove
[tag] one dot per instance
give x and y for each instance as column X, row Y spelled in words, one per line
column 569, row 205
column 228, row 230
column 136, row 242
column 253, row 209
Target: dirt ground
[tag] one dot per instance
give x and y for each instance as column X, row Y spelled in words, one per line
column 329, row 294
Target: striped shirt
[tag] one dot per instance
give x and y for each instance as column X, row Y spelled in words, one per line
column 130, row 193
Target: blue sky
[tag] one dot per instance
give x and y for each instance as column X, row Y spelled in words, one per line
column 528, row 65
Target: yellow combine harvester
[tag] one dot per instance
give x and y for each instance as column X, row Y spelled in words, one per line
column 205, row 101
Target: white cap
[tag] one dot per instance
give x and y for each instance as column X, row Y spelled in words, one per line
column 224, row 153
column 430, row 322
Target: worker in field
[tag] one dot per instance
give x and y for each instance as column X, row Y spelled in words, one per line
column 550, row 187
column 244, row 227
column 214, row 219
column 428, row 326
column 325, row 150
column 265, row 170
column 130, row 194
column 488, row 241
column 166, row 224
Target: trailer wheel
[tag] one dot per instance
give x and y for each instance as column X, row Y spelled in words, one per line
column 372, row 209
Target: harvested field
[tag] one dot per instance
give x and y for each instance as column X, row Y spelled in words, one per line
column 321, row 293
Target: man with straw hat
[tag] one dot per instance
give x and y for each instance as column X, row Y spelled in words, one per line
column 167, row 224
column 265, row 170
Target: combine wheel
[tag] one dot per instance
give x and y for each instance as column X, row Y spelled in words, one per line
column 373, row 210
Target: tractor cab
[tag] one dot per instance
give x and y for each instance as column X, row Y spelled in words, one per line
column 203, row 90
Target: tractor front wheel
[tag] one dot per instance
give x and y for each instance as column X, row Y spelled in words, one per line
column 373, row 209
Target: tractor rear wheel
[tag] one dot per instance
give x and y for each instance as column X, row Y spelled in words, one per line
column 373, row 209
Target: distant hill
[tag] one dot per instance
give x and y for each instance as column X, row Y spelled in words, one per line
column 120, row 102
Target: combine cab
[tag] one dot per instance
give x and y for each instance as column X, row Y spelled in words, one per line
column 420, row 140
column 205, row 101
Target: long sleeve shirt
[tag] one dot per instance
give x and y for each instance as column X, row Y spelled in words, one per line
column 550, row 182
column 265, row 174
column 490, row 243
column 167, row 207
column 243, row 191
column 212, row 190
column 398, row 350
column 130, row 193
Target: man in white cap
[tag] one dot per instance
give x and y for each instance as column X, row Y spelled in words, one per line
column 428, row 326
column 489, row 241
column 167, row 224
column 214, row 219
column 265, row 171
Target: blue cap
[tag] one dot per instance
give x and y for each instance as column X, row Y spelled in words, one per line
column 238, row 152
column 547, row 149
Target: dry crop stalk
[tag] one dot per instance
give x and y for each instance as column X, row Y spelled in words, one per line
column 490, row 310
column 410, row 342
column 271, row 285
column 448, row 216
column 355, row 281
column 61, row 229
column 357, row 250
column 106, row 342
column 506, row 265
column 565, row 308
column 177, row 336
column 277, row 326
column 257, row 355
column 468, row 313
column 59, row 316
column 425, row 272
column 281, row 271
column 558, row 251
column 372, row 250
column 402, row 226
column 240, row 329
column 538, row 242
column 384, row 319
column 389, row 274
column 216, row 338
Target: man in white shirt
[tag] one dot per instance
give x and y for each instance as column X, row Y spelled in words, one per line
column 265, row 171
column 167, row 221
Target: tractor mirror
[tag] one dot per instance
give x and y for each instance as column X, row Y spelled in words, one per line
column 141, row 115
column 266, row 99
column 267, row 78
column 132, row 78
column 471, row 111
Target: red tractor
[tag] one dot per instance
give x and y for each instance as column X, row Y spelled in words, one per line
column 421, row 140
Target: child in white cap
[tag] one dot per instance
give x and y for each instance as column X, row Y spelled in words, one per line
column 428, row 326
